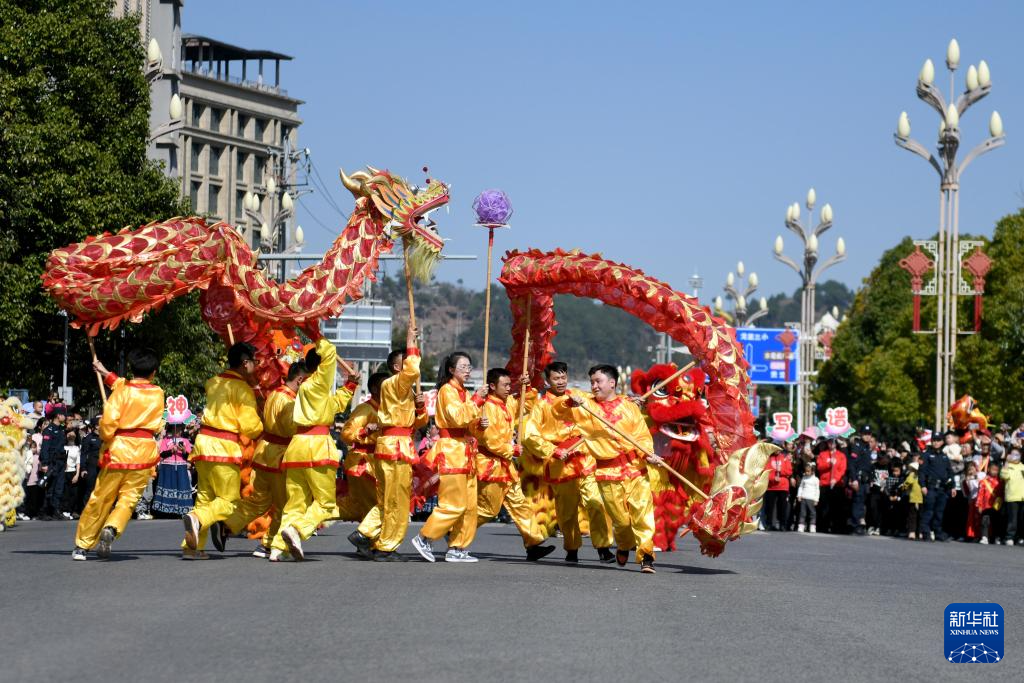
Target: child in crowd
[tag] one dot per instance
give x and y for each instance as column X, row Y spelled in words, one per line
column 987, row 503
column 1012, row 476
column 914, row 498
column 897, row 511
column 807, row 495
column 969, row 488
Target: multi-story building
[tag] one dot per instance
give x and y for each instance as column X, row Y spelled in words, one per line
column 236, row 128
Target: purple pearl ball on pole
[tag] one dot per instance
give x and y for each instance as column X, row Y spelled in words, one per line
column 492, row 208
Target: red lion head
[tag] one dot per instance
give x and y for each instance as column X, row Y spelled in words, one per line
column 676, row 408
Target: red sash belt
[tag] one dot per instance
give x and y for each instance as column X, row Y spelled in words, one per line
column 134, row 433
column 453, row 433
column 396, row 431
column 360, row 448
column 315, row 430
column 275, row 439
column 483, row 450
column 570, row 442
column 619, row 461
column 218, row 433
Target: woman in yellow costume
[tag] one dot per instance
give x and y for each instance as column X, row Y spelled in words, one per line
column 453, row 456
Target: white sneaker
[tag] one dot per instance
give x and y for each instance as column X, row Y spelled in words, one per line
column 66, row 515
column 983, row 541
column 457, row 555
column 144, row 515
column 294, row 542
column 931, row 535
column 23, row 517
column 800, row 529
column 425, row 550
column 814, row 529
column 1009, row 541
column 78, row 554
column 280, row 556
column 760, row 526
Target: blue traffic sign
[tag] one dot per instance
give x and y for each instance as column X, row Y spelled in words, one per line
column 771, row 352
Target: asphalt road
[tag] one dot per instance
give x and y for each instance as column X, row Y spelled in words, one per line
column 774, row 607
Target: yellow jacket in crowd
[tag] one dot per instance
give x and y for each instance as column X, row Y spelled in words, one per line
column 230, row 413
column 316, row 404
column 546, row 432
column 132, row 417
column 361, row 442
column 457, row 414
column 278, row 429
column 616, row 457
column 396, row 414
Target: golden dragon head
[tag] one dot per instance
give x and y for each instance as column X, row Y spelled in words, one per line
column 405, row 210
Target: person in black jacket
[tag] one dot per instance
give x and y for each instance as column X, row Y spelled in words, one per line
column 936, row 481
column 52, row 462
column 90, row 463
column 859, row 467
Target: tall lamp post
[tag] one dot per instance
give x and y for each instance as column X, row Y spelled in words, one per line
column 272, row 228
column 741, row 298
column 809, row 272
column 949, row 250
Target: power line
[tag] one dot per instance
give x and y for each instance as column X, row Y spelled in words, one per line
column 319, row 181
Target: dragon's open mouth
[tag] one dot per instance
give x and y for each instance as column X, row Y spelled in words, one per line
column 424, row 227
column 680, row 431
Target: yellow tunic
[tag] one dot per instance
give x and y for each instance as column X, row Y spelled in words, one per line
column 397, row 412
column 314, row 410
column 546, row 432
column 457, row 413
column 616, row 458
column 230, row 410
column 361, row 443
column 278, row 429
column 132, row 416
column 494, row 444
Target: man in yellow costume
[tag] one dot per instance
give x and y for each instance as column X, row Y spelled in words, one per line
column 497, row 475
column 269, row 492
column 621, row 474
column 132, row 417
column 568, row 468
column 457, row 415
column 400, row 411
column 360, row 436
column 230, row 415
column 311, row 460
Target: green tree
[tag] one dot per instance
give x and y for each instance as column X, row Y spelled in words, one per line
column 74, row 126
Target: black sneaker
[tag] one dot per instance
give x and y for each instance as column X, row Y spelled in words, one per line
column 572, row 556
column 362, row 545
column 107, row 537
column 381, row 556
column 535, row 552
column 622, row 557
column 605, row 555
column 647, row 565
column 219, row 534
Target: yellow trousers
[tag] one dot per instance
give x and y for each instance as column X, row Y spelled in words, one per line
column 569, row 497
column 631, row 507
column 218, row 490
column 361, row 498
column 489, row 498
column 455, row 513
column 311, row 501
column 118, row 489
column 388, row 520
column 269, row 493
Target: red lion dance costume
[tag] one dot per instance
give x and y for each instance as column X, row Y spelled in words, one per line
column 730, row 486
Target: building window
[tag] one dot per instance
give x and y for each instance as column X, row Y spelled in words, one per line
column 258, row 163
column 240, row 204
column 243, row 124
column 213, row 200
column 197, row 115
column 261, row 129
column 240, row 160
column 197, row 150
column 286, row 134
column 216, row 116
column 256, row 237
column 215, row 154
column 193, row 196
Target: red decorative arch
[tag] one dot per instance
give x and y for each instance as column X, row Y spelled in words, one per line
column 537, row 276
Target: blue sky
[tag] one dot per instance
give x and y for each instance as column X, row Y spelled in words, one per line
column 667, row 136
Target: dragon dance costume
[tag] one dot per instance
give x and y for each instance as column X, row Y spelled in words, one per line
column 230, row 415
column 386, row 523
column 621, row 476
column 573, row 480
column 497, row 476
column 359, row 464
column 132, row 417
column 453, row 457
column 269, row 492
column 311, row 460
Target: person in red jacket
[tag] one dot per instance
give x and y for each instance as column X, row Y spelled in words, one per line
column 832, row 476
column 776, row 498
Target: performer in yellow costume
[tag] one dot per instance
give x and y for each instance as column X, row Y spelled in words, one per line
column 230, row 415
column 269, row 492
column 132, row 417
column 621, row 474
column 496, row 471
column 311, row 460
column 360, row 435
column 453, row 457
column 401, row 410
column 568, row 468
